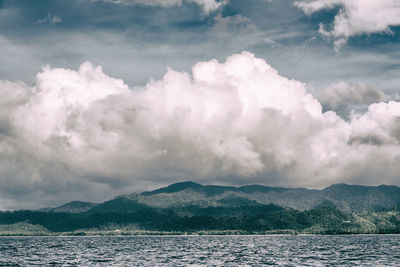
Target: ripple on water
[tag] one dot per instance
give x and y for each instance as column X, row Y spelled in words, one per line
column 366, row 250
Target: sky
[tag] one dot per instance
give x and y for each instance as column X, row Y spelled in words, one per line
column 108, row 97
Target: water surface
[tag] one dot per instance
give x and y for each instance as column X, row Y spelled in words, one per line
column 365, row 250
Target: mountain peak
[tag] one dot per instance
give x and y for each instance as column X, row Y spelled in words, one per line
column 74, row 207
column 339, row 185
column 175, row 188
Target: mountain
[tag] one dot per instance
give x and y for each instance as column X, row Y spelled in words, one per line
column 73, row 207
column 190, row 207
column 349, row 198
column 360, row 198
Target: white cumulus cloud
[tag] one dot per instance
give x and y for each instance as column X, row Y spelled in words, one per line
column 77, row 133
column 355, row 17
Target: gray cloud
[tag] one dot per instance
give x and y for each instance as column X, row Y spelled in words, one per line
column 344, row 97
column 51, row 19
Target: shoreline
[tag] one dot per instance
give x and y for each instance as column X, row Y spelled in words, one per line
column 158, row 234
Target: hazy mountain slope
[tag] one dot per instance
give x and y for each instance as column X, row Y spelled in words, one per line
column 349, row 198
column 353, row 198
column 360, row 198
column 74, row 207
column 119, row 204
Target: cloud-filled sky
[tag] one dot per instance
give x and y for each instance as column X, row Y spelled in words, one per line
column 108, row 97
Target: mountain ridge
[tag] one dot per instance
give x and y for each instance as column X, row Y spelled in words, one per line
column 189, row 207
column 348, row 198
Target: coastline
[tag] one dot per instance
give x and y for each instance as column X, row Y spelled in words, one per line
column 181, row 234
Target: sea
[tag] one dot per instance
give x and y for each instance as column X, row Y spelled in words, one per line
column 301, row 250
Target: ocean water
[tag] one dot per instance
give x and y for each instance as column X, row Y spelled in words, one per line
column 357, row 250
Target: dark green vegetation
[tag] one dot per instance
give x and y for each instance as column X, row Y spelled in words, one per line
column 193, row 208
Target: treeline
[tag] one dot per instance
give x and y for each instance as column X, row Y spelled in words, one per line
column 250, row 219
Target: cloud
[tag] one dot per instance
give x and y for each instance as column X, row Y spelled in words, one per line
column 207, row 5
column 236, row 24
column 85, row 135
column 200, row 127
column 355, row 17
column 345, row 97
column 51, row 19
column 139, row 48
